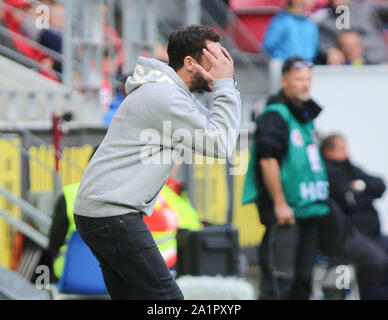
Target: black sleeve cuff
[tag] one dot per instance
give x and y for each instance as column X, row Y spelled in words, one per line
column 271, row 136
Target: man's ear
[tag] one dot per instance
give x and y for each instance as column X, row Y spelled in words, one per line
column 189, row 63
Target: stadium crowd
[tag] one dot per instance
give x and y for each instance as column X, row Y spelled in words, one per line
column 330, row 35
column 20, row 34
column 344, row 32
column 304, row 28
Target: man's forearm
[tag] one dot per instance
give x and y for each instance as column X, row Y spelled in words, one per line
column 272, row 179
column 214, row 134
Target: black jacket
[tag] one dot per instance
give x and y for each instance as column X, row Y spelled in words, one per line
column 59, row 227
column 271, row 135
column 357, row 205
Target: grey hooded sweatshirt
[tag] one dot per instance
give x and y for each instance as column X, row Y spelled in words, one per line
column 158, row 120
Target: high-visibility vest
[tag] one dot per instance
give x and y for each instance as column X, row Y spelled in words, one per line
column 70, row 192
column 171, row 212
column 167, row 245
column 303, row 173
column 187, row 215
column 168, row 207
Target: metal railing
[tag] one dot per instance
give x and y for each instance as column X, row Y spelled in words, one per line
column 32, row 105
column 47, row 97
column 53, row 99
column 18, row 57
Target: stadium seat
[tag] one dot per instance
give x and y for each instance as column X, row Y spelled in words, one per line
column 81, row 273
column 252, row 19
column 321, row 3
column 238, row 4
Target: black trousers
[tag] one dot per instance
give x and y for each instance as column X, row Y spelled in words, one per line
column 287, row 253
column 369, row 254
column 132, row 266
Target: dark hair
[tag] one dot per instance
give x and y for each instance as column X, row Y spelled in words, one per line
column 188, row 41
column 329, row 142
column 293, row 63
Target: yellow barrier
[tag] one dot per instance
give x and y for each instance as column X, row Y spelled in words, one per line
column 246, row 217
column 210, row 187
column 78, row 155
column 41, row 179
column 211, row 198
column 10, row 178
column 71, row 166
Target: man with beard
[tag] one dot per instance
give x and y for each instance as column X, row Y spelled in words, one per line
column 159, row 116
column 287, row 180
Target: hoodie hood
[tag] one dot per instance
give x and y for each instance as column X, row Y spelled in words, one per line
column 150, row 70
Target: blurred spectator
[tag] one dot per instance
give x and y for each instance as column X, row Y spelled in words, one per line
column 13, row 20
column 112, row 38
column 366, row 17
column 21, row 19
column 5, row 38
column 47, row 64
column 351, row 188
column 118, row 98
column 28, row 27
column 160, row 51
column 109, row 68
column 287, row 180
column 354, row 191
column 349, row 43
column 292, row 33
column 57, row 16
column 52, row 37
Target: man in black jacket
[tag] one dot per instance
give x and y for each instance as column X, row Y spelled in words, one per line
column 354, row 191
column 292, row 186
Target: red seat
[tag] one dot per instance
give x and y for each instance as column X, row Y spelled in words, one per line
column 252, row 19
column 238, row 4
column 321, row 3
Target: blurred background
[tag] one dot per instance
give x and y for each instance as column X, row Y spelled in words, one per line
column 62, row 69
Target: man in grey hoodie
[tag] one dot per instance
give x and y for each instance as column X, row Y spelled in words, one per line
column 156, row 122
